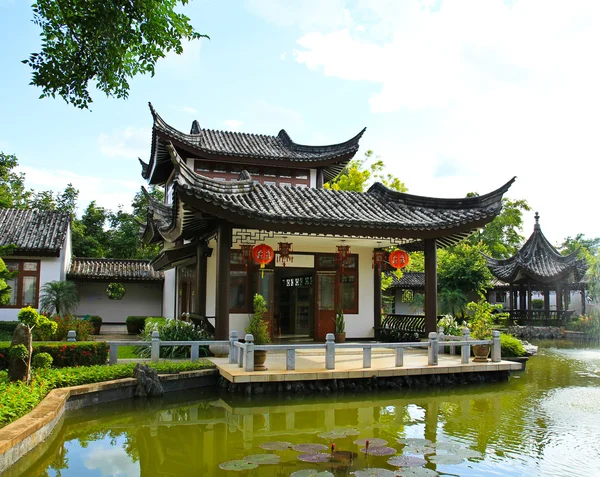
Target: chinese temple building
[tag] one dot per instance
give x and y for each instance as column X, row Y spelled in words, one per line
column 226, row 193
column 539, row 267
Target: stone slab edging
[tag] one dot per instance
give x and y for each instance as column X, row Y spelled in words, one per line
column 22, row 435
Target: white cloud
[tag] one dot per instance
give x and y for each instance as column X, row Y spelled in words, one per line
column 271, row 117
column 283, row 56
column 305, row 14
column 130, row 142
column 233, row 124
column 111, row 461
column 190, row 110
column 189, row 58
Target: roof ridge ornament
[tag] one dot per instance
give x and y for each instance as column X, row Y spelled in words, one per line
column 537, row 222
column 195, row 129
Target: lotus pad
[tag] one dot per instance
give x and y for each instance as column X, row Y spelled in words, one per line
column 374, row 472
column 421, row 450
column 448, row 446
column 407, row 461
column 418, row 472
column 278, row 445
column 310, row 448
column 237, row 465
column 311, row 473
column 468, row 453
column 378, row 451
column 412, row 441
column 263, row 459
column 332, row 435
column 315, row 457
column 373, row 442
column 448, row 459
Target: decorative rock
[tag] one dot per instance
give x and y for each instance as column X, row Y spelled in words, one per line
column 17, row 368
column 148, row 382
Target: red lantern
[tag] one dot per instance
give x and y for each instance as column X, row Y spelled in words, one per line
column 285, row 250
column 246, row 254
column 342, row 255
column 262, row 254
column 399, row 259
column 379, row 256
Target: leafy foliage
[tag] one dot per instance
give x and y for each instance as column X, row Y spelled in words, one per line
column 583, row 246
column 58, row 296
column 463, row 268
column 42, row 360
column 17, row 399
column 104, row 43
column 135, row 324
column 18, row 352
column 359, row 173
column 481, row 318
column 451, row 325
column 589, row 324
column 259, row 328
column 511, row 347
column 5, row 289
column 173, row 330
column 33, row 320
column 65, row 354
column 340, row 323
column 501, row 237
column 66, row 323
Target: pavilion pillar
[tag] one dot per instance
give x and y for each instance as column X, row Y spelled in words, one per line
column 430, row 286
column 558, row 299
column 567, row 291
column 529, row 305
column 222, row 291
column 522, row 300
column 510, row 299
column 582, row 300
column 201, row 253
column 547, row 301
column 377, row 299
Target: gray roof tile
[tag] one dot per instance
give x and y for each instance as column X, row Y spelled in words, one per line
column 116, row 269
column 34, row 231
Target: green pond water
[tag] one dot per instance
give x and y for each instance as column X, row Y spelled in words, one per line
column 543, row 421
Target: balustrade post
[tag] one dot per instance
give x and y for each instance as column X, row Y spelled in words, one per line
column 496, row 347
column 249, row 352
column 232, row 348
column 155, row 349
column 114, row 353
column 290, row 361
column 240, row 355
column 367, row 357
column 329, row 351
column 433, row 349
column 399, row 357
column 441, row 338
column 465, row 350
column 195, row 354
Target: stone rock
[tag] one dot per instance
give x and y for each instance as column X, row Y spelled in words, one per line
column 148, row 382
column 17, row 368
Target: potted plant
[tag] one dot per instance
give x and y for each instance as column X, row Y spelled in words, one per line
column 259, row 329
column 340, row 327
column 481, row 325
column 96, row 322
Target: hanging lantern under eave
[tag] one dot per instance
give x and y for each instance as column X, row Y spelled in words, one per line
column 342, row 255
column 398, row 259
column 246, row 254
column 262, row 254
column 285, row 253
column 379, row 256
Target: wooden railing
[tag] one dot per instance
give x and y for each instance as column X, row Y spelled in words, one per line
column 399, row 327
column 539, row 317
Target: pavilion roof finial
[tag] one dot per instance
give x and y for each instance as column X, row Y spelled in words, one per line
column 537, row 221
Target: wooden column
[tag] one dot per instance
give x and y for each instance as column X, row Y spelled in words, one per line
column 222, row 292
column 320, row 180
column 522, row 300
column 529, row 306
column 511, row 298
column 567, row 297
column 430, row 286
column 201, row 252
column 377, row 297
column 582, row 300
column 558, row 299
column 547, row 301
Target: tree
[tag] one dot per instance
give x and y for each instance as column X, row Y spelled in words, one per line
column 359, row 173
column 586, row 247
column 5, row 275
column 58, row 296
column 463, row 267
column 88, row 235
column 502, row 236
column 104, row 43
column 12, row 185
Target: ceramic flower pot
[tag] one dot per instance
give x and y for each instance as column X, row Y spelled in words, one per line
column 481, row 353
column 260, row 357
column 340, row 337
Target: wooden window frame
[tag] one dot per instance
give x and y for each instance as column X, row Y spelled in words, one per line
column 259, row 174
column 338, row 280
column 19, row 281
column 240, row 267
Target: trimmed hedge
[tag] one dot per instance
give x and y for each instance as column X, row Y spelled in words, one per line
column 81, row 353
column 135, row 324
column 8, row 327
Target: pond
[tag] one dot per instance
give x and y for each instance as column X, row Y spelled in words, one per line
column 543, row 421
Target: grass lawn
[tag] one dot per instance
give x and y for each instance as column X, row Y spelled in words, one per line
column 127, row 352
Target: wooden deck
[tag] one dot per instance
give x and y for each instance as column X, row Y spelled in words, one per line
column 310, row 365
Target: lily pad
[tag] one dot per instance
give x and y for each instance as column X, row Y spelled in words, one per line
column 447, row 459
column 420, row 450
column 276, row 445
column 418, row 472
column 373, row 442
column 379, row 451
column 263, row 459
column 407, row 461
column 332, row 435
column 374, row 472
column 310, row 448
column 413, row 441
column 237, row 465
column 448, row 446
column 311, row 473
column 314, row 457
column 468, row 453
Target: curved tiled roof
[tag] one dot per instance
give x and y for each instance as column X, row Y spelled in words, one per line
column 116, row 269
column 246, row 146
column 539, row 261
column 416, row 281
column 380, row 211
column 34, row 231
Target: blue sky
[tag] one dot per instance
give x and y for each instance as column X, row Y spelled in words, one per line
column 456, row 96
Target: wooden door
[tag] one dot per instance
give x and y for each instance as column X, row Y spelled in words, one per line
column 325, row 305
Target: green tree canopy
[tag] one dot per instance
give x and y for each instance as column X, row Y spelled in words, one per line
column 360, row 173
column 103, row 43
column 462, row 267
column 13, row 193
column 586, row 247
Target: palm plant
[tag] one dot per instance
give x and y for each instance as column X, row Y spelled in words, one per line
column 59, row 297
column 452, row 302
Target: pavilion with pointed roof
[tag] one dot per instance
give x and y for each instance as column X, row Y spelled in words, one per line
column 538, row 266
column 226, row 191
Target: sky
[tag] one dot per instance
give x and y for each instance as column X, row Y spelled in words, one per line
column 457, row 96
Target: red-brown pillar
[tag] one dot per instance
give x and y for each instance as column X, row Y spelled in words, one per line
column 547, row 301
column 558, row 300
column 377, row 302
column 222, row 291
column 201, row 252
column 582, row 300
column 430, row 285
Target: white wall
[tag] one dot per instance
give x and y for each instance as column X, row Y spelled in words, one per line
column 51, row 268
column 140, row 299
column 169, row 293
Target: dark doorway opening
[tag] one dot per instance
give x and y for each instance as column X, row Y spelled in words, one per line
column 294, row 307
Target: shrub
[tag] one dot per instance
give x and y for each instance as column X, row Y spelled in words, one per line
column 537, row 304
column 589, row 324
column 451, row 326
column 259, row 328
column 8, row 327
column 135, row 324
column 173, row 330
column 96, row 322
column 18, row 352
column 66, row 323
column 481, row 317
column 42, row 360
column 64, row 354
column 59, row 296
column 511, row 346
